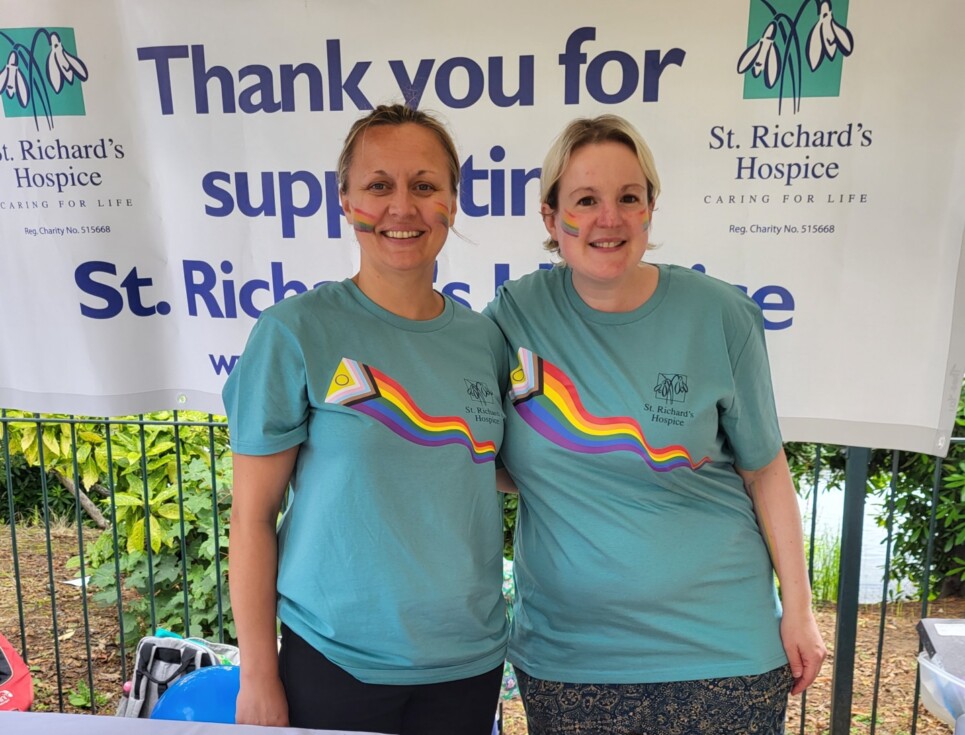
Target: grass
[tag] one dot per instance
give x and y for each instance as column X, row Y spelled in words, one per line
column 827, row 564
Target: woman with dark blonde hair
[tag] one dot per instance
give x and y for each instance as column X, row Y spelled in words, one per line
column 386, row 571
column 655, row 498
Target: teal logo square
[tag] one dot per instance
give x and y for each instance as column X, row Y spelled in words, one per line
column 795, row 49
column 42, row 74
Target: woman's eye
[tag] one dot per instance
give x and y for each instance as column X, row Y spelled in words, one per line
column 630, row 199
column 378, row 186
column 585, row 202
column 425, row 188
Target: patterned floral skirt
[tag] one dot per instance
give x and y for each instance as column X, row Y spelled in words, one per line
column 736, row 705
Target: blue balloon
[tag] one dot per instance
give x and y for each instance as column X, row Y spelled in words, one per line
column 204, row 695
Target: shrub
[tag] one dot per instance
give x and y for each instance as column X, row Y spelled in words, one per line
column 170, row 530
column 28, row 497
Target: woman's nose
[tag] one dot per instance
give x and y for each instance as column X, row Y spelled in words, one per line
column 401, row 202
column 608, row 215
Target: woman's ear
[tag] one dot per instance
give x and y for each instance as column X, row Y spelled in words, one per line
column 346, row 208
column 549, row 219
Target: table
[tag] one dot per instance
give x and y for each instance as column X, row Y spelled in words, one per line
column 45, row 723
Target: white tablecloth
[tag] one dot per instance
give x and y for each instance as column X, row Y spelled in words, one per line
column 51, row 723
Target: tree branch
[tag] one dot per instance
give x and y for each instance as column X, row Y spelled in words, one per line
column 85, row 502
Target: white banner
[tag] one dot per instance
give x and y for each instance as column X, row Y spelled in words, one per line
column 167, row 172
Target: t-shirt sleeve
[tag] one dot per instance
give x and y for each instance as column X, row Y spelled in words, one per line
column 266, row 395
column 505, row 359
column 750, row 421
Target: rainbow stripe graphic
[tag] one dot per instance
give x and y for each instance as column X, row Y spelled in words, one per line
column 570, row 226
column 363, row 221
column 442, row 213
column 547, row 400
column 365, row 389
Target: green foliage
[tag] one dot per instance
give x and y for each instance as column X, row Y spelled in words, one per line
column 826, row 570
column 52, row 440
column 165, row 529
column 28, row 498
column 510, row 505
column 913, row 503
column 176, row 573
column 80, row 696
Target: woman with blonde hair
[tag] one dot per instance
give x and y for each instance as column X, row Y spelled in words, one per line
column 655, row 498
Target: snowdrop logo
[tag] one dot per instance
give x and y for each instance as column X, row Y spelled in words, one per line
column 42, row 75
column 795, row 49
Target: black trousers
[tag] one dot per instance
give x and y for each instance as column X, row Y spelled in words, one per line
column 324, row 696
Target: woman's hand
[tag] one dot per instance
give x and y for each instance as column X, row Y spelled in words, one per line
column 259, row 486
column 262, row 702
column 804, row 647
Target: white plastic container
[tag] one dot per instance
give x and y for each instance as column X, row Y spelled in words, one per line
column 942, row 694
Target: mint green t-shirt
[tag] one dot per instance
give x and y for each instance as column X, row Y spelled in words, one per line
column 638, row 557
column 390, row 552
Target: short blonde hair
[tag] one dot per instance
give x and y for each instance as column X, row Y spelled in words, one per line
column 586, row 131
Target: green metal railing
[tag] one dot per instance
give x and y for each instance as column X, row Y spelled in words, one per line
column 216, row 437
column 856, row 484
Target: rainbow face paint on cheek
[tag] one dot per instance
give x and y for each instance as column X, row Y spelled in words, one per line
column 363, row 221
column 570, row 224
column 442, row 213
column 645, row 223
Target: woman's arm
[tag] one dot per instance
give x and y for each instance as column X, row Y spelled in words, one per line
column 259, row 487
column 771, row 490
column 505, row 482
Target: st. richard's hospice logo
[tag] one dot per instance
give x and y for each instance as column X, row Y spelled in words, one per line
column 795, row 49
column 42, row 74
